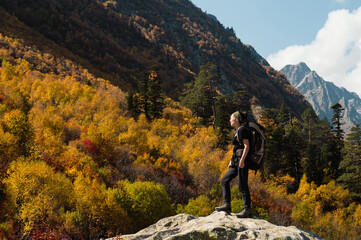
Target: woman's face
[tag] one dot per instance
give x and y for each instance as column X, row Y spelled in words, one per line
column 233, row 121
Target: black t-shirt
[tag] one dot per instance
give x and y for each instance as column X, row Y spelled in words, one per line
column 242, row 133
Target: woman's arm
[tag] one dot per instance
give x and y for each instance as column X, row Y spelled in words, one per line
column 244, row 154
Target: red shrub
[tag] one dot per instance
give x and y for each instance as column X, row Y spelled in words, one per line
column 91, row 148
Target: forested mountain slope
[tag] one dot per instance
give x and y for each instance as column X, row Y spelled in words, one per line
column 72, row 159
column 117, row 40
column 76, row 163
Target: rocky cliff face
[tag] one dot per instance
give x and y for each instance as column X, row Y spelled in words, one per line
column 218, row 225
column 322, row 94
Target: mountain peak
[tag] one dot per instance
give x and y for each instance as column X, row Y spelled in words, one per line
column 296, row 73
column 218, row 225
column 322, row 94
column 303, row 66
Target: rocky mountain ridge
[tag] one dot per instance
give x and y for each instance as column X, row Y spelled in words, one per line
column 218, row 225
column 322, row 94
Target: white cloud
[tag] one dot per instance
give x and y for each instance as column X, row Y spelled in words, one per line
column 335, row 54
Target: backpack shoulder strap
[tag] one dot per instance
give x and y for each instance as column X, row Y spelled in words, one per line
column 237, row 134
column 255, row 126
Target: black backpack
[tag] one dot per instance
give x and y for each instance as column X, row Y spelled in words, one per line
column 258, row 146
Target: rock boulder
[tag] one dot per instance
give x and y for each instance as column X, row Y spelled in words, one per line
column 218, row 225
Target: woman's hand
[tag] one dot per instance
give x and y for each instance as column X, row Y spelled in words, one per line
column 230, row 164
column 241, row 164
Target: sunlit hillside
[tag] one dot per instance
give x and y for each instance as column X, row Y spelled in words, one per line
column 106, row 126
column 72, row 158
column 118, row 40
column 75, row 164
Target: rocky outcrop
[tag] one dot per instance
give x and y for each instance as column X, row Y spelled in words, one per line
column 256, row 56
column 218, row 225
column 322, row 94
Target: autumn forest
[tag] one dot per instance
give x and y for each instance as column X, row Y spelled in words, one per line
column 84, row 156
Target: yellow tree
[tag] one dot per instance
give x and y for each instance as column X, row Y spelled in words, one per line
column 40, row 195
column 97, row 210
column 145, row 202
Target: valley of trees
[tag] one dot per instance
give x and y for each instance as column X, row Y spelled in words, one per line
column 80, row 159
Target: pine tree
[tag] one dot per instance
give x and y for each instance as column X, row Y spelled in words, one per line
column 312, row 167
column 274, row 144
column 350, row 167
column 310, row 124
column 293, row 147
column 133, row 103
column 355, row 135
column 316, row 157
column 338, row 144
column 149, row 97
column 282, row 116
column 336, row 119
column 156, row 94
column 222, row 121
column 200, row 95
column 241, row 101
column 143, row 88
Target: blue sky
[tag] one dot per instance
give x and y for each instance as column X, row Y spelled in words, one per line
column 272, row 25
column 325, row 34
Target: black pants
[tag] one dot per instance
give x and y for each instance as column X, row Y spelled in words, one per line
column 242, row 184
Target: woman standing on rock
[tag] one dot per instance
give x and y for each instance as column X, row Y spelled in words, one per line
column 238, row 166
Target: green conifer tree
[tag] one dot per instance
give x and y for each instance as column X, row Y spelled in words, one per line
column 282, row 116
column 314, row 132
column 133, row 102
column 274, row 143
column 312, row 167
column 241, row 101
column 222, row 121
column 355, row 135
column 156, row 94
column 293, row 145
column 143, row 89
column 200, row 95
column 350, row 167
column 337, row 119
column 338, row 144
column 149, row 98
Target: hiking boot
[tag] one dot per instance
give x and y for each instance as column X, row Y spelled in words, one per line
column 225, row 207
column 246, row 213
